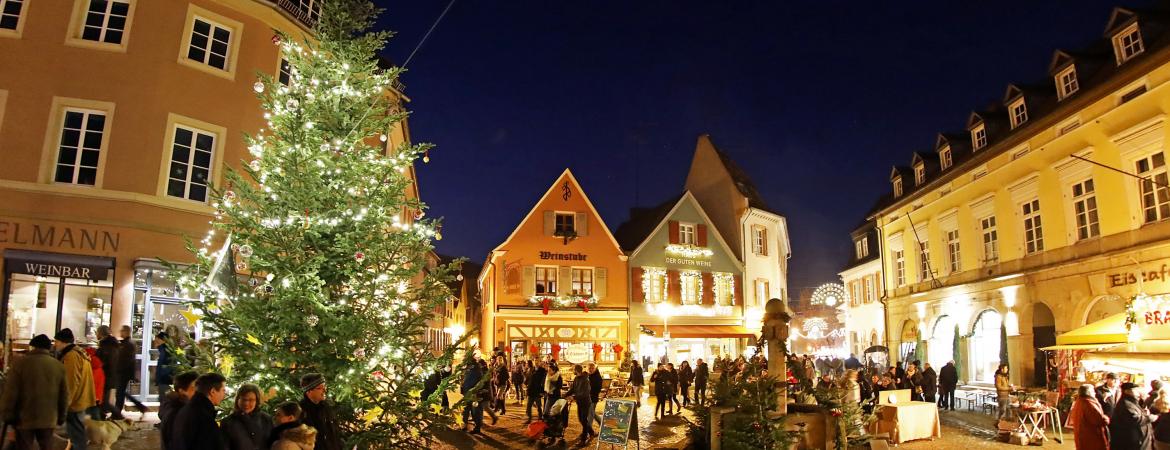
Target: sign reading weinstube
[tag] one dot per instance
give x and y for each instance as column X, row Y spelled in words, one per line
column 617, row 420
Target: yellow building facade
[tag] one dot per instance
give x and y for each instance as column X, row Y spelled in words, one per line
column 1046, row 213
column 116, row 118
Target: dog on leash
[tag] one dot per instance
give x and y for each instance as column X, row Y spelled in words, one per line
column 105, row 433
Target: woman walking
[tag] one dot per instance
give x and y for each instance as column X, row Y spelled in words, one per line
column 637, row 382
column 686, row 377
column 552, row 386
column 247, row 428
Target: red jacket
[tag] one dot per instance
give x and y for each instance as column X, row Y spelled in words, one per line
column 99, row 375
column 1090, row 424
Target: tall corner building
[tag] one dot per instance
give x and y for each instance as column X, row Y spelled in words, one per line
column 116, row 119
column 1038, row 215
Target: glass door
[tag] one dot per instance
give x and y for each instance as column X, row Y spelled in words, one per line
column 158, row 307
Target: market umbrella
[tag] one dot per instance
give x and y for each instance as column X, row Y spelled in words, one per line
column 877, row 349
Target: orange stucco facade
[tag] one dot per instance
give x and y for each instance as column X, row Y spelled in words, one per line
column 561, row 255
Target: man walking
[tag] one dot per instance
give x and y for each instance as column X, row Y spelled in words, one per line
column 195, row 426
column 318, row 412
column 594, row 390
column 35, row 397
column 929, row 383
column 107, row 353
column 580, row 393
column 79, row 381
column 948, row 381
column 124, row 366
column 702, row 374
column 536, row 390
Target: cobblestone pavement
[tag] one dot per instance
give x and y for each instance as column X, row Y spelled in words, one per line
column 973, row 430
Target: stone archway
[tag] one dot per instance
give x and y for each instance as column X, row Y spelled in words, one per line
column 1043, row 335
column 983, row 348
column 942, row 341
column 909, row 341
column 1101, row 307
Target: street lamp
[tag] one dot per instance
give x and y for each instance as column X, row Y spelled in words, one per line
column 664, row 310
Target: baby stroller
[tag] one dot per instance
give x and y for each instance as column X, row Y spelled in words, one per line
column 555, row 422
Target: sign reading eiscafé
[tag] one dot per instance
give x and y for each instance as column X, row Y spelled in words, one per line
column 1127, row 278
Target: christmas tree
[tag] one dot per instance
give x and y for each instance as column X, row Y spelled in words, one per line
column 318, row 259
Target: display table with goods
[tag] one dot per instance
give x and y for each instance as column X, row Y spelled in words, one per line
column 908, row 421
column 1034, row 418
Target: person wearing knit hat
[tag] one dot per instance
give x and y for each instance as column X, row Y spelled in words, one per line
column 79, row 380
column 36, row 398
column 318, row 412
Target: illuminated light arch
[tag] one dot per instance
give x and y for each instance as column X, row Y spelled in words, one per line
column 830, row 294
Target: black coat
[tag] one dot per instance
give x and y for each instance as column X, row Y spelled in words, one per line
column 322, row 417
column 1129, row 426
column 686, row 376
column 636, row 378
column 948, row 377
column 127, row 352
column 168, row 411
column 195, row 427
column 595, row 386
column 1108, row 399
column 702, row 373
column 107, row 352
column 536, row 381
column 247, row 431
column 1162, row 428
column 929, row 381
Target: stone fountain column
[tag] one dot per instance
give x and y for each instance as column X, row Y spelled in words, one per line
column 776, row 320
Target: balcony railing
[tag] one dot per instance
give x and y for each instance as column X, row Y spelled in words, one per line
column 305, row 11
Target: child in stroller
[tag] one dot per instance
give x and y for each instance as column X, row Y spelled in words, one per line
column 556, row 420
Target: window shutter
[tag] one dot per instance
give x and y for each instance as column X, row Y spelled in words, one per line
column 600, row 275
column 528, row 282
column 581, row 222
column 737, row 297
column 672, row 283
column 550, row 222
column 564, row 281
column 701, row 235
column 636, row 275
column 708, row 295
column 673, row 231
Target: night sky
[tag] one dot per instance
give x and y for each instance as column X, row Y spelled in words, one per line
column 816, row 100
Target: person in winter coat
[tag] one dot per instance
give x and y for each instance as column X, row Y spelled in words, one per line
column 1154, row 393
column 580, row 393
column 662, row 390
column 553, row 383
column 518, row 372
column 432, row 384
column 686, row 377
column 165, row 370
column 99, row 378
column 124, row 366
column 288, row 418
column 501, row 382
column 472, row 408
column 318, row 412
column 79, row 380
column 174, row 402
column 1161, row 407
column 1003, row 391
column 1109, row 394
column 637, row 381
column 536, row 390
column 35, row 397
column 673, row 377
column 702, row 374
column 929, row 383
column 595, row 384
column 916, row 380
column 195, row 425
column 948, row 382
column 1129, row 426
column 247, row 427
column 107, row 353
column 1089, row 423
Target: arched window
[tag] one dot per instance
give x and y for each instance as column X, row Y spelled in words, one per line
column 983, row 347
column 942, row 342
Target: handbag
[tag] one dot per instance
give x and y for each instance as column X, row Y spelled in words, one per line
column 535, row 429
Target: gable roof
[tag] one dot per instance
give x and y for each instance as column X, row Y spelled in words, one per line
column 662, row 220
column 569, row 175
column 743, row 183
column 1118, row 18
column 642, row 222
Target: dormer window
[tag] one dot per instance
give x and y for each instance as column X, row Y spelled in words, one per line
column 1066, row 82
column 1127, row 43
column 919, row 174
column 861, row 247
column 897, row 186
column 1019, row 112
column 979, row 137
column 944, row 157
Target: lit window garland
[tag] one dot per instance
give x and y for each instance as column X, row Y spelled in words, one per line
column 652, row 283
column 689, row 251
column 691, row 287
column 724, row 288
column 567, row 302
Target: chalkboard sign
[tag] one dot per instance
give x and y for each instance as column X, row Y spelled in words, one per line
column 616, row 420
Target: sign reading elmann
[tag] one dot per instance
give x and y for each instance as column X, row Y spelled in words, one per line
column 45, row 264
column 62, row 237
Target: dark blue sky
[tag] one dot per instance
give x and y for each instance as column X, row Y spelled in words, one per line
column 815, row 99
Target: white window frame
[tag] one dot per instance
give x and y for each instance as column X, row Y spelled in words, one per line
column 689, row 287
column 580, row 283
column 1153, row 196
column 284, row 72
column 52, row 140
column 945, row 157
column 989, row 238
column 188, row 181
column 897, row 186
column 174, row 122
column 899, row 258
column 657, row 277
column 687, row 233
column 536, row 279
column 954, row 257
column 1066, row 82
column 1084, row 207
column 572, row 219
column 236, row 29
column 762, row 288
column 924, row 260
column 862, row 247
column 1032, row 223
column 919, row 174
column 79, row 148
column 1128, row 43
column 79, row 20
column 759, row 240
column 870, row 294
column 723, row 288
column 20, row 18
column 1018, row 112
column 979, row 137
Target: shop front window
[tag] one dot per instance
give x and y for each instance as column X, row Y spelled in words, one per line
column 159, row 304
column 942, row 345
column 43, row 305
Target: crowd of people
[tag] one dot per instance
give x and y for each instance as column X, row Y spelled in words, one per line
column 1115, row 415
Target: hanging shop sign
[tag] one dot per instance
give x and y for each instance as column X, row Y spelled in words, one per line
column 1146, row 275
column 58, row 237
column 44, row 264
column 1150, row 317
column 576, row 353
